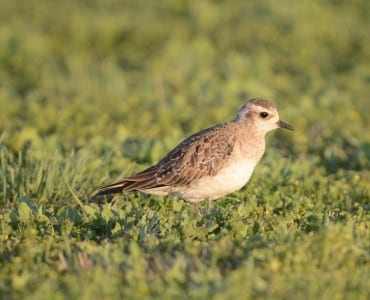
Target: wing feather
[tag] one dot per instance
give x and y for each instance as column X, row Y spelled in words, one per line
column 202, row 154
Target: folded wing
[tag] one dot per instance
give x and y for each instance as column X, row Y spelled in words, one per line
column 200, row 155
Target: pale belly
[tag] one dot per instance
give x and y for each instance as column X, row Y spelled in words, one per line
column 229, row 180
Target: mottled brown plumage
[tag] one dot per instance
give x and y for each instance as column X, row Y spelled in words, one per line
column 195, row 168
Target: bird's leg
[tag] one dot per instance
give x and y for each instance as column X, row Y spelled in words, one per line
column 196, row 210
column 208, row 205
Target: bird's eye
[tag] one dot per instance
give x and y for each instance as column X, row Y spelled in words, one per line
column 264, row 114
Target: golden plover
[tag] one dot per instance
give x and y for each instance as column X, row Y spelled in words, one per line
column 211, row 163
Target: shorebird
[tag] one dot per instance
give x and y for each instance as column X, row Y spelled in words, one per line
column 211, row 163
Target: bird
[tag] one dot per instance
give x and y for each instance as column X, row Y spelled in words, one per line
column 211, row 163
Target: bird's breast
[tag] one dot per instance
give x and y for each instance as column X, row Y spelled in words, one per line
column 234, row 176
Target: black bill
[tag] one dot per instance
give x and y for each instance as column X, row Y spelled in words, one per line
column 285, row 125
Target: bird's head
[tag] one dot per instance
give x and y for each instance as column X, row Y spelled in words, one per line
column 262, row 115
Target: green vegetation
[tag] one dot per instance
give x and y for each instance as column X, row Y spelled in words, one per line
column 92, row 91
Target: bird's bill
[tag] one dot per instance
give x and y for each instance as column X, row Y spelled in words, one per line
column 285, row 125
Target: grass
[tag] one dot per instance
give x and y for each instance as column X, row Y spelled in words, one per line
column 93, row 91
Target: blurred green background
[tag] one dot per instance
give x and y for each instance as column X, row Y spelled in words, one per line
column 91, row 91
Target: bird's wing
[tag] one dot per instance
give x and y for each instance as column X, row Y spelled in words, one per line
column 202, row 154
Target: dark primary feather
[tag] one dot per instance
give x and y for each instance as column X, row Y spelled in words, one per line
column 201, row 154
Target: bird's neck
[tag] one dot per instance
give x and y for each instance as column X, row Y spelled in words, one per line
column 252, row 141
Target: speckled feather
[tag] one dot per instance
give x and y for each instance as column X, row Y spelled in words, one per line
column 202, row 154
column 212, row 162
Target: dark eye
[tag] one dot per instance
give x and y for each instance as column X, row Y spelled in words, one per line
column 264, row 114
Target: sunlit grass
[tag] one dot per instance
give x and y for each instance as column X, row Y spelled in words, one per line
column 91, row 98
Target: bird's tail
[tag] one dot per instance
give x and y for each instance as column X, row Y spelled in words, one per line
column 141, row 181
column 111, row 189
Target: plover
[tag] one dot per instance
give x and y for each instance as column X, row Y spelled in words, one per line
column 211, row 163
